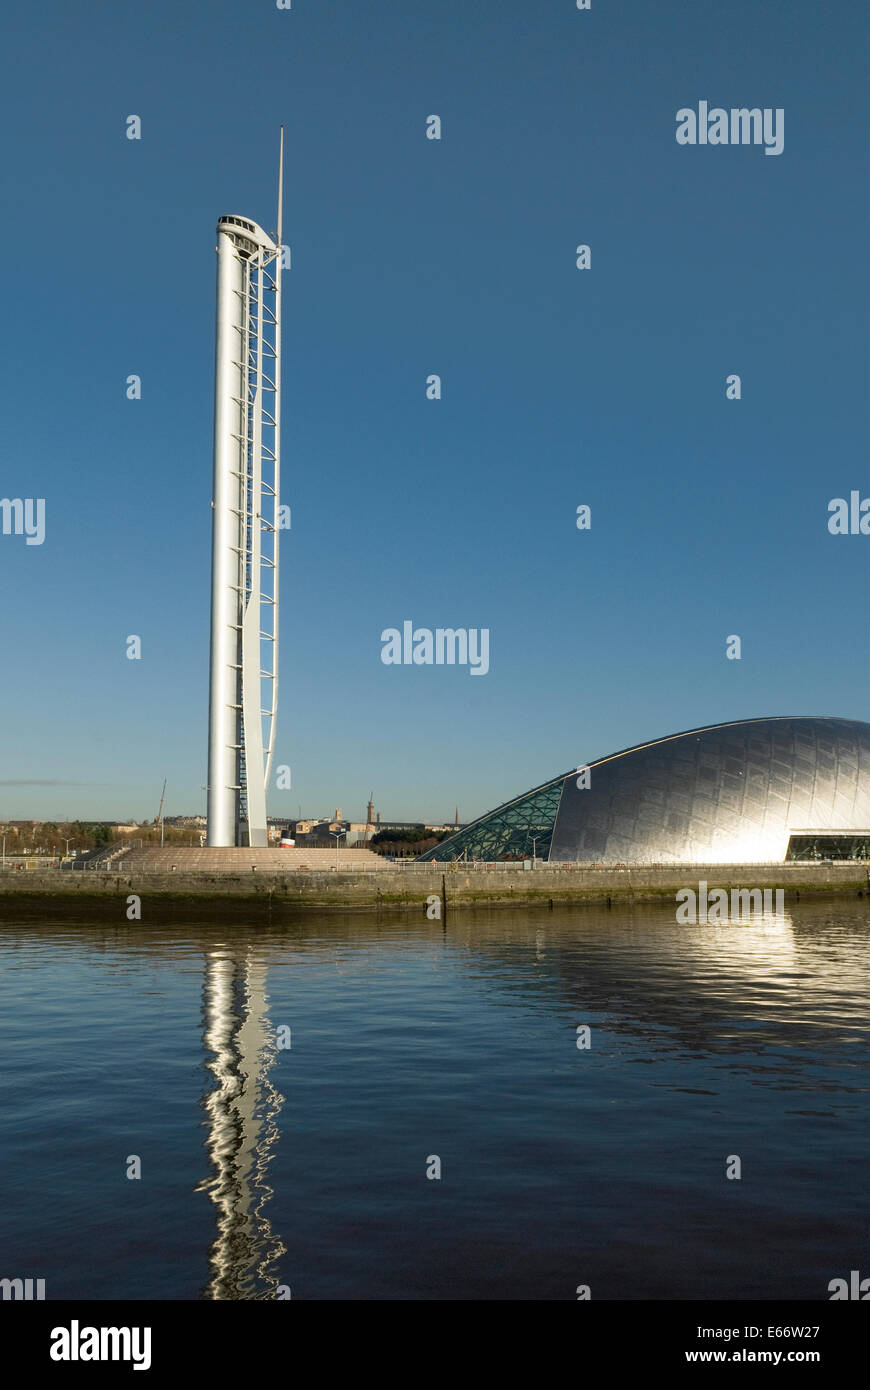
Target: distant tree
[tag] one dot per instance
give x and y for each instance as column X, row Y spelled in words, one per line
column 406, row 842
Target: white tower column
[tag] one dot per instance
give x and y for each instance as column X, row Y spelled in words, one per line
column 243, row 689
column 224, row 694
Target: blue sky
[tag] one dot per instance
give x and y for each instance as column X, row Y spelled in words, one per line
column 560, row 387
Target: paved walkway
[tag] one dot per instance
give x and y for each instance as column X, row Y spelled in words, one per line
column 242, row 860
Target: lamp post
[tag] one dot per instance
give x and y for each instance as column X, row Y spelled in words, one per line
column 535, row 839
column 336, row 834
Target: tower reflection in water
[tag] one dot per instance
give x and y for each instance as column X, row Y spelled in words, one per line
column 241, row 1110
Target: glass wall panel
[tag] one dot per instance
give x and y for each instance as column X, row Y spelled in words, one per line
column 518, row 830
column 829, row 846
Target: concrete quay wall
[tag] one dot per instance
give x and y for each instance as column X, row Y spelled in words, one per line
column 410, row 887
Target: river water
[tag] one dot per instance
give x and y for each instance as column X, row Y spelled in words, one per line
column 287, row 1090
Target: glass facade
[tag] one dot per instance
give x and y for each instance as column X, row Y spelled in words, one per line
column 829, row 846
column 520, row 829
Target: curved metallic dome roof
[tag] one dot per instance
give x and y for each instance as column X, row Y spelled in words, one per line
column 728, row 793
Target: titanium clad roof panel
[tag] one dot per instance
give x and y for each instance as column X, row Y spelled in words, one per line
column 731, row 793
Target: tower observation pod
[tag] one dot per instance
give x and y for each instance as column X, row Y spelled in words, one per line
column 243, row 686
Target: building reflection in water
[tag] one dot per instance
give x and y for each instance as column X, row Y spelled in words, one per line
column 242, row 1109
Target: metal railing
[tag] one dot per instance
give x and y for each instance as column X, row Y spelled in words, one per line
column 410, row 866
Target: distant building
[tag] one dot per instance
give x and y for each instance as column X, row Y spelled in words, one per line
column 403, row 825
column 320, row 832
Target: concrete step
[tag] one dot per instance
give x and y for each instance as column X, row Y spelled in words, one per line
column 191, row 860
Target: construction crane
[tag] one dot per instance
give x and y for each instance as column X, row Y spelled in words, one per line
column 160, row 812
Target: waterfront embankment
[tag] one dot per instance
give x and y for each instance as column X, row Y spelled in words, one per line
column 415, row 886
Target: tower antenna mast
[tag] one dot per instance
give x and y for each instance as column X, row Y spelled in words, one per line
column 280, row 191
